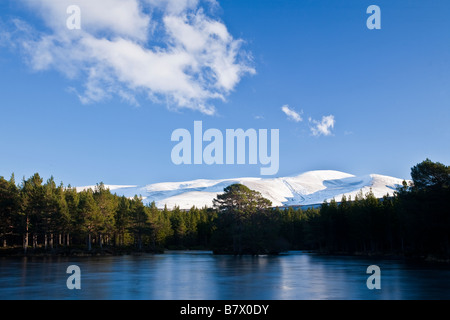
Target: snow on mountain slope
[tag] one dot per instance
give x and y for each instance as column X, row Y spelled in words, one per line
column 312, row 187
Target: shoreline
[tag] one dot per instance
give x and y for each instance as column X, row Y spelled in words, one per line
column 123, row 251
column 75, row 252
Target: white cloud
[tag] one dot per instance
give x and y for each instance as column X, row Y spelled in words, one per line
column 123, row 18
column 322, row 127
column 169, row 50
column 5, row 37
column 292, row 114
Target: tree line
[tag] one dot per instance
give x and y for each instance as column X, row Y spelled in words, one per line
column 415, row 221
column 45, row 216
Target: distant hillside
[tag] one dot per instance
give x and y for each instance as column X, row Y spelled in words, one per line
column 308, row 188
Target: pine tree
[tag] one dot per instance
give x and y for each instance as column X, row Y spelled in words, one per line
column 241, row 212
column 90, row 217
column 140, row 224
column 122, row 219
column 32, row 200
column 9, row 208
column 107, row 207
column 74, row 219
column 429, row 174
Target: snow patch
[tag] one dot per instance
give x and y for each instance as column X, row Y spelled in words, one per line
column 308, row 188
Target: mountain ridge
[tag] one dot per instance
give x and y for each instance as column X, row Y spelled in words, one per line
column 308, row 188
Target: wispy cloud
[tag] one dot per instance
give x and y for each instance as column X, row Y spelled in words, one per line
column 322, row 127
column 291, row 113
column 172, row 51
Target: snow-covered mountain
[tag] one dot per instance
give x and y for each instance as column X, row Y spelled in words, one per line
column 309, row 188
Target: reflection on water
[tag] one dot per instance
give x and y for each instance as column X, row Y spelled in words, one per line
column 203, row 276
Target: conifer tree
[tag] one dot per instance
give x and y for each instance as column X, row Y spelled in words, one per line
column 140, row 223
column 89, row 216
column 9, row 208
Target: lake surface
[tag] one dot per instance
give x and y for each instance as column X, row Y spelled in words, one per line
column 198, row 275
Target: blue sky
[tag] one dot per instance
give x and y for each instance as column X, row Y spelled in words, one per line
column 101, row 104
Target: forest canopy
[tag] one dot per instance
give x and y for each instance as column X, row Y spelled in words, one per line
column 38, row 217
